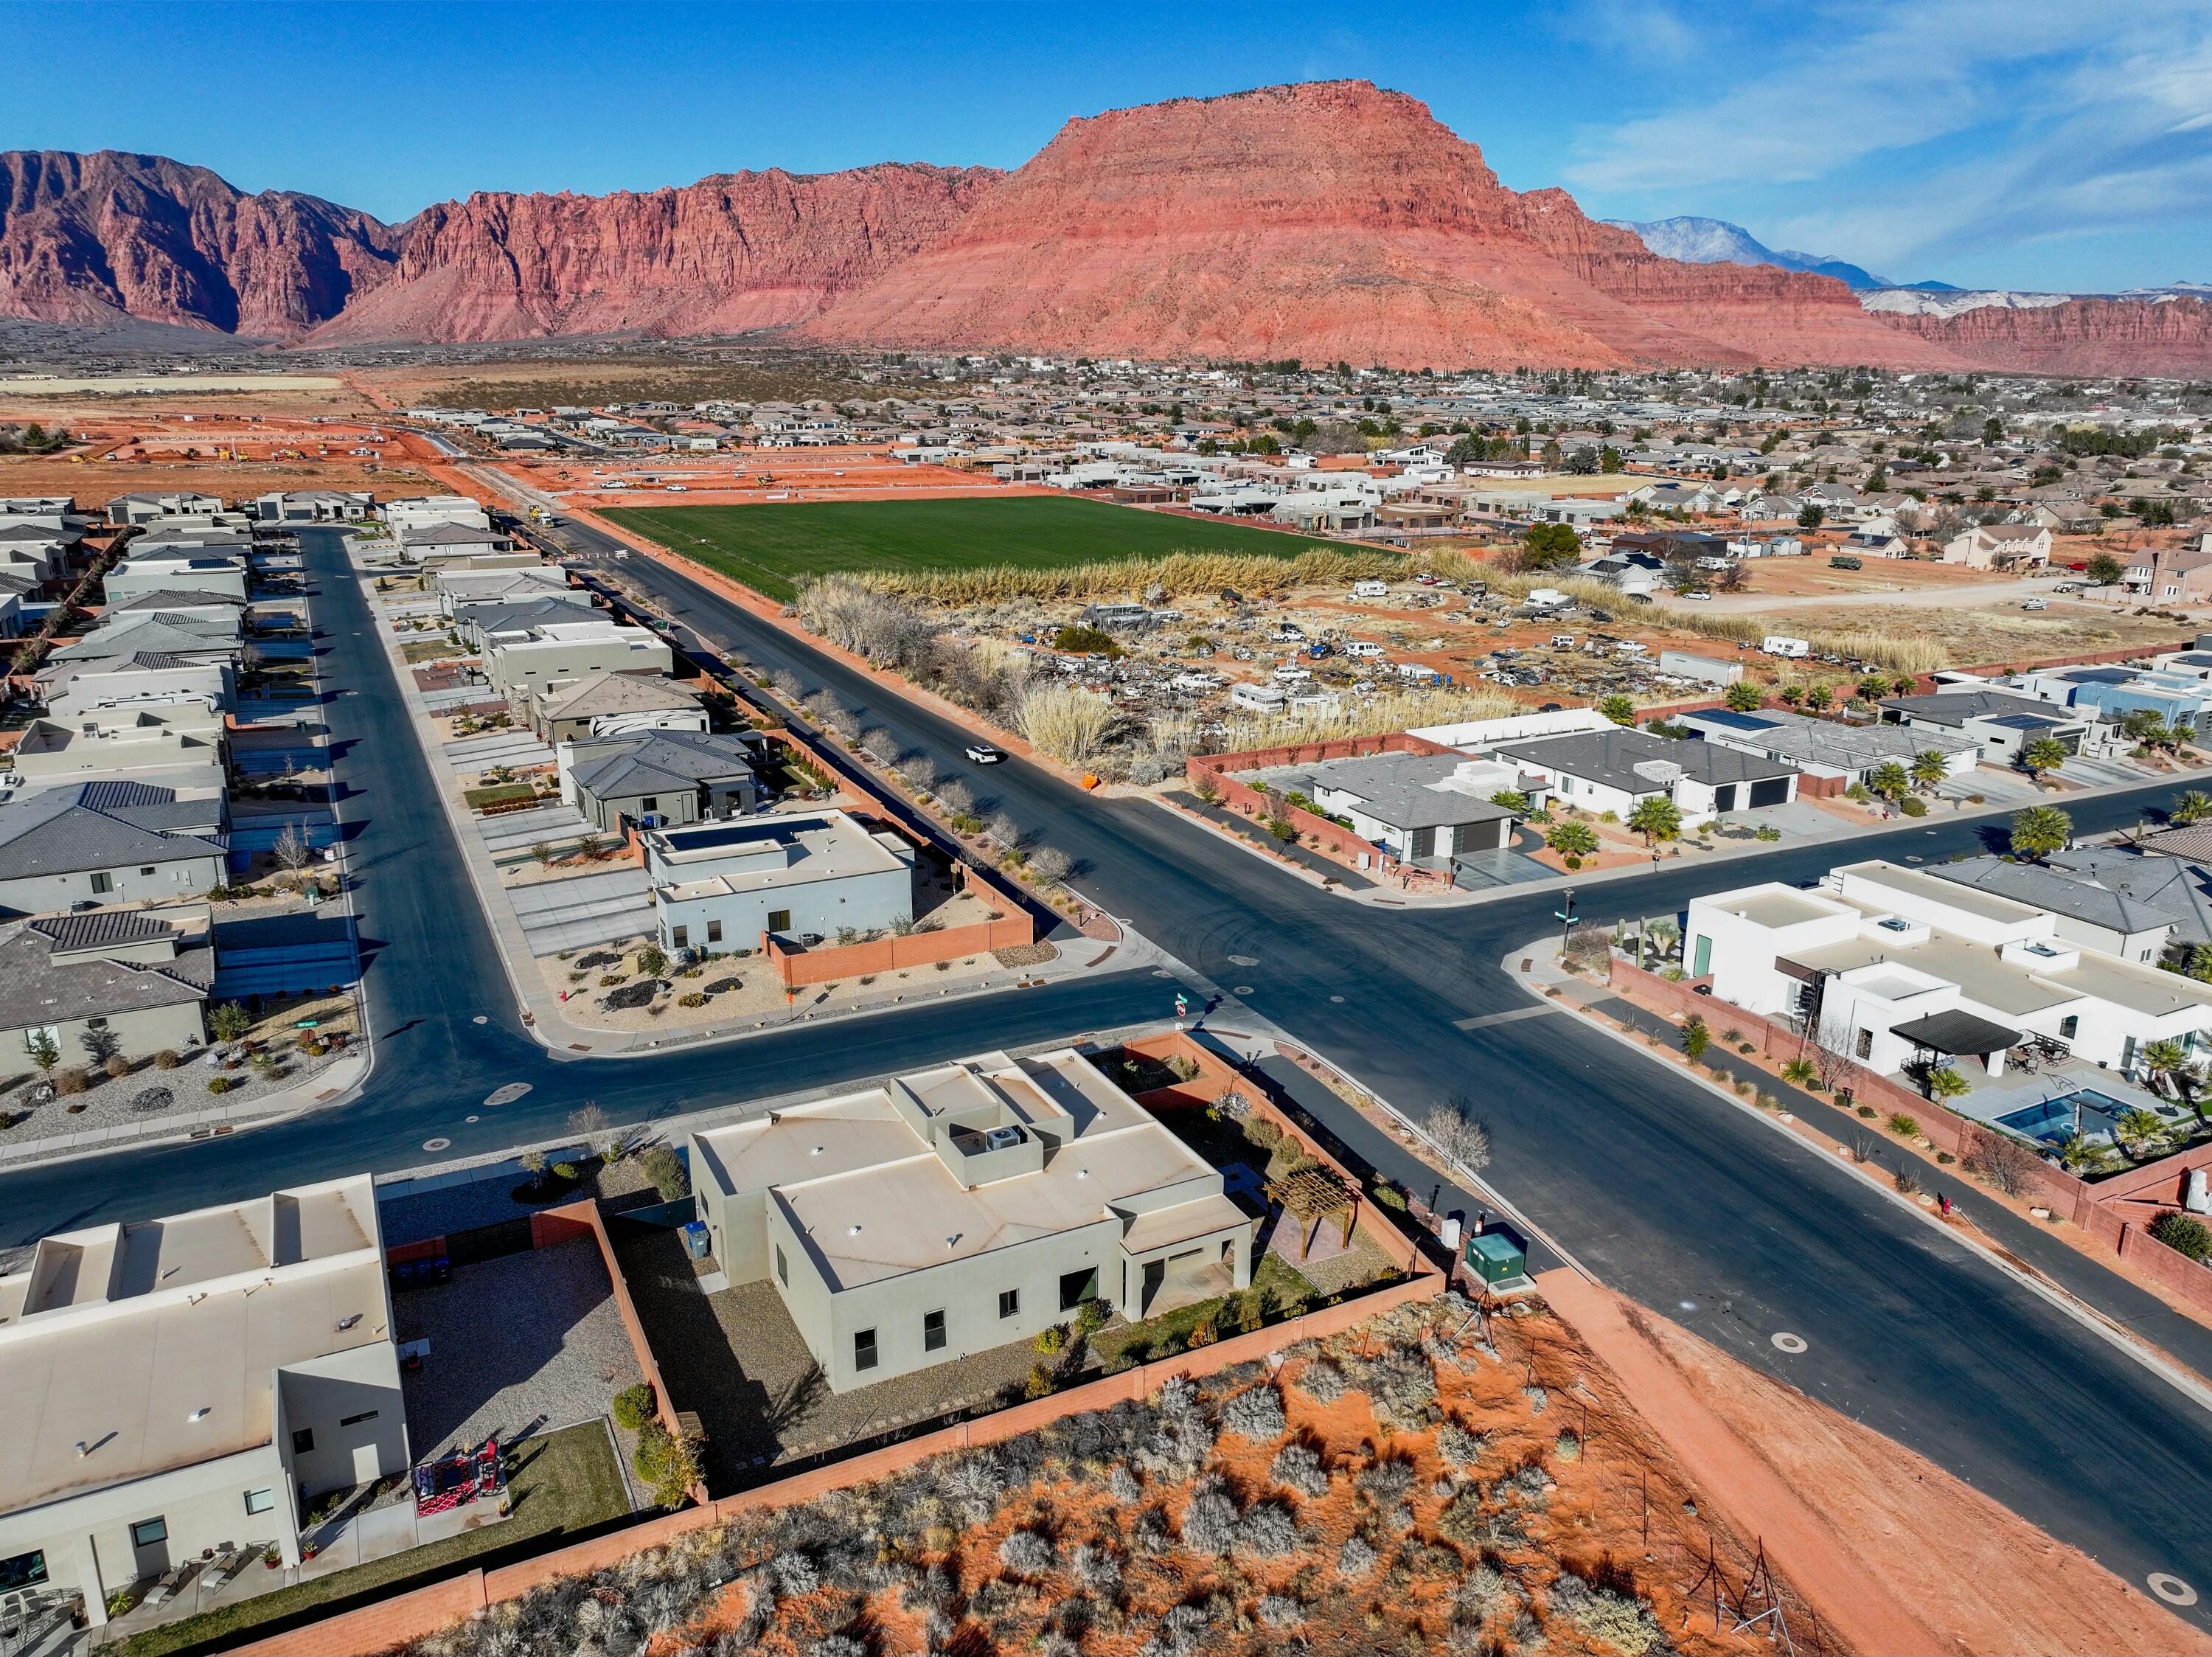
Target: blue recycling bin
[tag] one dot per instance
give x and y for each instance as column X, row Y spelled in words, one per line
column 694, row 1239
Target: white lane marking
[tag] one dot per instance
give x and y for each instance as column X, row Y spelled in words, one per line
column 1488, row 1019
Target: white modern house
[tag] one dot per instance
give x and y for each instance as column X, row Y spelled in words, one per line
column 965, row 1207
column 1890, row 965
column 720, row 886
column 523, row 662
column 179, row 1386
column 1617, row 769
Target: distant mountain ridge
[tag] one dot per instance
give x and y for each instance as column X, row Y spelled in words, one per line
column 1326, row 222
column 1715, row 242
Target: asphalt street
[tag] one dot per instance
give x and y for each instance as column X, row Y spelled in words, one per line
column 1675, row 1197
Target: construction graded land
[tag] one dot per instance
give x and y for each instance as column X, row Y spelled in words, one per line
column 771, row 548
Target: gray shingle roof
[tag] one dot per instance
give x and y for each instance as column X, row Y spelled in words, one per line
column 98, row 928
column 35, row 989
column 1401, row 789
column 162, row 631
column 1611, row 757
column 2117, row 897
column 1954, row 708
column 95, row 825
column 660, row 759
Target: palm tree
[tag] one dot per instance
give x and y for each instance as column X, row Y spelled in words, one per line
column 2163, row 1059
column 2082, row 1155
column 1656, row 819
column 1890, row 780
column 2039, row 831
column 1745, row 698
column 2139, row 1130
column 1801, row 1072
column 1945, row 1084
column 2043, row 753
column 1929, row 768
column 2191, row 808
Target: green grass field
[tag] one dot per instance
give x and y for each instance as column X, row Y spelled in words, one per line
column 771, row 548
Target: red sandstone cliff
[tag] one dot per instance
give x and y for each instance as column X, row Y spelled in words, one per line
column 2093, row 336
column 88, row 239
column 1323, row 222
column 744, row 250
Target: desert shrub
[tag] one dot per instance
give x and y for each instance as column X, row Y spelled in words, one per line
column 167, row 1059
column 1322, row 1381
column 1356, row 1557
column 117, row 1066
column 1256, row 1414
column 795, row 1574
column 215, row 1085
column 74, row 1080
column 1568, row 1446
column 1604, row 1614
column 1281, row 1611
column 1050, row 1340
column 1094, row 1568
column 2184, row 1234
column 662, row 1166
column 1209, row 1518
column 1150, row 1534
column 837, row 1645
column 1462, row 1520
column 1268, row 1529
column 1298, row 1467
column 633, row 1407
column 1484, row 1590
column 1027, row 1553
column 1386, row 1483
column 1182, row 1632
column 1401, row 1385
column 1457, row 1446
column 692, row 999
column 1122, row 1484
column 1539, row 1399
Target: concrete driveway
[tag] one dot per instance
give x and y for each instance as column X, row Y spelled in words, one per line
column 518, row 749
column 519, row 830
column 584, row 909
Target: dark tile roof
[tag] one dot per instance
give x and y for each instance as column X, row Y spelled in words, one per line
column 93, row 825
column 1611, row 757
column 36, row 990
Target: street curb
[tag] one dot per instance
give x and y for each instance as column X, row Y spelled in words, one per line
column 2176, row 1374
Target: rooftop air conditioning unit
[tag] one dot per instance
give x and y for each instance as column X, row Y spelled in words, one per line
column 1000, row 1139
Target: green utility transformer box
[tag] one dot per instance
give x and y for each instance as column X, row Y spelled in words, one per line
column 1495, row 1257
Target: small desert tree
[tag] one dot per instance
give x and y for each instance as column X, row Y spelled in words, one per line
column 291, row 851
column 44, row 1051
column 229, row 1021
column 2007, row 1164
column 1458, row 1135
column 1620, row 709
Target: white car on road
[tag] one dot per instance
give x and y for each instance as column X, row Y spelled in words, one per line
column 984, row 754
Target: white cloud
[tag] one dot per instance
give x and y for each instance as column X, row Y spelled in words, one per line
column 1911, row 131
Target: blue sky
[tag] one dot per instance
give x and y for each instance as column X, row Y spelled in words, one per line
column 1988, row 142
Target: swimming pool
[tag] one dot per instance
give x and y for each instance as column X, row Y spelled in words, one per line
column 2050, row 1121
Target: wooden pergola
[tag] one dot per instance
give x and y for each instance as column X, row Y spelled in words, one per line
column 1312, row 1196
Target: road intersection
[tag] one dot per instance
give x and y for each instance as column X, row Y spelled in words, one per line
column 1692, row 1207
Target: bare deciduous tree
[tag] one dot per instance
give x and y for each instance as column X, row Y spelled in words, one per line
column 1458, row 1135
column 2002, row 1161
column 291, row 851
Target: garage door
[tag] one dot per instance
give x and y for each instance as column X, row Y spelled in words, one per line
column 1478, row 837
column 1771, row 792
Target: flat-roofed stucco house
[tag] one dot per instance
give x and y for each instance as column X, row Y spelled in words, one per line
column 965, row 1207
column 178, row 1385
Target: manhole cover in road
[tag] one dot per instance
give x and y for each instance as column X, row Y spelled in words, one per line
column 440, row 1144
column 2171, row 1588
column 1162, row 972
column 471, row 1118
column 506, row 1095
column 1786, row 1342
column 1244, row 989
column 1339, row 999
column 1244, row 961
column 480, row 1019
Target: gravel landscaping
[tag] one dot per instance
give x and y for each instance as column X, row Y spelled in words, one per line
column 520, row 1344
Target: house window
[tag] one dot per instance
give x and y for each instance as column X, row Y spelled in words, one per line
column 864, row 1350
column 260, row 1501
column 933, row 1332
column 96, row 1024
column 1009, row 1302
column 2068, row 1025
column 779, row 920
column 681, row 936
column 148, row 1531
column 1864, row 1047
column 23, row 1570
column 1077, row 1286
column 146, row 871
column 355, row 1421
column 782, row 1270
column 303, row 1440
column 102, row 882
column 650, row 803
column 713, row 932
